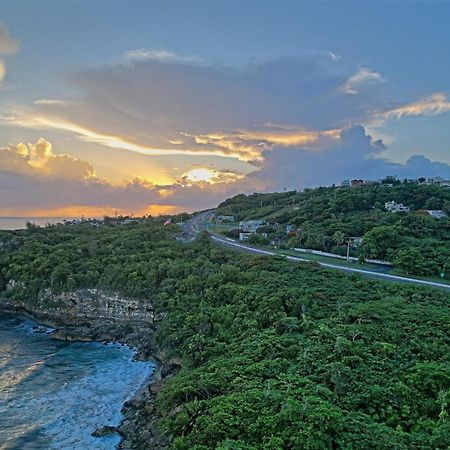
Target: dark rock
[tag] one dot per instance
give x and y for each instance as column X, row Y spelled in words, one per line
column 103, row 431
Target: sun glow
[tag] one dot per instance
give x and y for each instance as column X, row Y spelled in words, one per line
column 201, row 174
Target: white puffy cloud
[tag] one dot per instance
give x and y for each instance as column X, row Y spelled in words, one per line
column 38, row 160
column 361, row 78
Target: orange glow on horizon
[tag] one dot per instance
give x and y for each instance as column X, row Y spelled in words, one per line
column 76, row 211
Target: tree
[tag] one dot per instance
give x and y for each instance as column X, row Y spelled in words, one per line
column 409, row 260
column 257, row 239
column 378, row 241
column 338, row 237
column 433, row 203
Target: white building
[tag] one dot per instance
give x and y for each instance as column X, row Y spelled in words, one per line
column 225, row 219
column 396, row 207
column 244, row 236
column 439, row 181
column 250, row 226
column 436, row 213
column 435, row 180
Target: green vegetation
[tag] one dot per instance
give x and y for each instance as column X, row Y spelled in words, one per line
column 274, row 355
column 324, row 219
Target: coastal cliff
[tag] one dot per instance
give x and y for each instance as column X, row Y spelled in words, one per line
column 92, row 314
column 97, row 315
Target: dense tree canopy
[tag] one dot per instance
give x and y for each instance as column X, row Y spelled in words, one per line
column 275, row 355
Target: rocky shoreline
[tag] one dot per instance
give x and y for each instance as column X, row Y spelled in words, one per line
column 139, row 428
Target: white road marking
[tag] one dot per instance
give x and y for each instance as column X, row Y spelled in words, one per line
column 335, row 266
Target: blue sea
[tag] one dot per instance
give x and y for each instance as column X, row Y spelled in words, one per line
column 18, row 223
column 54, row 394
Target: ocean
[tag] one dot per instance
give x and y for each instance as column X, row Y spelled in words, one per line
column 54, row 394
column 16, row 223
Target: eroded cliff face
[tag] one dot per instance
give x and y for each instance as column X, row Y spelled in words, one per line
column 92, row 314
column 95, row 304
column 91, row 304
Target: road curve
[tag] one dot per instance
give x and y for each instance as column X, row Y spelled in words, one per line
column 197, row 225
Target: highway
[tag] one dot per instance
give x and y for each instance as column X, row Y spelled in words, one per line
column 196, row 225
column 200, row 223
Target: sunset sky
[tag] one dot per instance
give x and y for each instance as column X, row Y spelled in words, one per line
column 150, row 107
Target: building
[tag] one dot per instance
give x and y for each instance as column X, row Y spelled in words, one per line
column 396, row 207
column 356, row 241
column 436, row 180
column 250, row 226
column 289, row 228
column 220, row 219
column 345, row 183
column 436, row 213
column 357, row 183
column 244, row 236
column 439, row 181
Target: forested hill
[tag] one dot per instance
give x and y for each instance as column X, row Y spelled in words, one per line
column 324, row 218
column 274, row 355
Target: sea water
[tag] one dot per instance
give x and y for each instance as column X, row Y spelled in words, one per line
column 54, row 394
column 18, row 223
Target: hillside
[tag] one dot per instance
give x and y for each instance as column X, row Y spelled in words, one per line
column 273, row 355
column 324, row 218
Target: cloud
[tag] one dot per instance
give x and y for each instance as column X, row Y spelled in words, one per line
column 355, row 155
column 251, row 144
column 163, row 104
column 50, row 101
column 334, row 56
column 361, row 78
column 2, row 70
column 287, row 117
column 8, row 46
column 209, row 175
column 36, row 181
column 144, row 54
column 432, row 105
column 38, row 160
column 30, row 119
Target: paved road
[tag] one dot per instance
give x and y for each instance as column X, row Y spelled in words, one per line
column 196, row 225
column 200, row 223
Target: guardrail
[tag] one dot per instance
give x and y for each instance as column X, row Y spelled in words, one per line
column 333, row 255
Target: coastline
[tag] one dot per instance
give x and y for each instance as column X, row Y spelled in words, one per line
column 139, row 427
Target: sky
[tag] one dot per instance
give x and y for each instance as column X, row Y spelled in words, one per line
column 160, row 107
